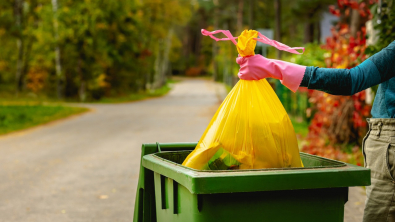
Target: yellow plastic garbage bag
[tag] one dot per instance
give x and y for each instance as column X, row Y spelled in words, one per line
column 250, row 130
column 246, row 44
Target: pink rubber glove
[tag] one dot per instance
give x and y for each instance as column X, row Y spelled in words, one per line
column 258, row 67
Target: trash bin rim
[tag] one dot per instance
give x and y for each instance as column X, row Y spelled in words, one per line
column 205, row 182
column 338, row 164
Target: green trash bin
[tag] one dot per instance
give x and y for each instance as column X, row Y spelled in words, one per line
column 168, row 191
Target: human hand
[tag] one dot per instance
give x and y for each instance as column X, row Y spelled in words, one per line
column 258, row 67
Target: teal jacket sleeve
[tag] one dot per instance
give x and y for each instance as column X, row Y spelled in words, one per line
column 375, row 70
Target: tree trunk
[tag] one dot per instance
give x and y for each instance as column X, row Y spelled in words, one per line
column 318, row 31
column 308, row 31
column 162, row 60
column 28, row 42
column 157, row 66
column 251, row 15
column 25, row 64
column 198, row 37
column 165, row 61
column 292, row 30
column 354, row 26
column 277, row 7
column 82, row 89
column 340, row 128
column 18, row 7
column 59, row 77
column 240, row 17
column 215, row 46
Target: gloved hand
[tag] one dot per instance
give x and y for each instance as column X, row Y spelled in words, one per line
column 258, row 67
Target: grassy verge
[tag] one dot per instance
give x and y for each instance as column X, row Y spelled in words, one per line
column 301, row 127
column 137, row 96
column 25, row 111
column 15, row 117
column 228, row 88
column 31, row 98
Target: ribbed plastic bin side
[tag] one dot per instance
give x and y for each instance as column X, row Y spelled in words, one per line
column 176, row 203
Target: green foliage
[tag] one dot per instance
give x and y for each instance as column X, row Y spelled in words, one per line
column 301, row 126
column 107, row 48
column 313, row 55
column 17, row 117
column 385, row 27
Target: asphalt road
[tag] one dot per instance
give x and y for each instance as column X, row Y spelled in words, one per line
column 86, row 168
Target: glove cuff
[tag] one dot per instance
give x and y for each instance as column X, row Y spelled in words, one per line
column 292, row 77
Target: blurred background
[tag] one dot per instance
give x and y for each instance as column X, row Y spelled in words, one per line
column 57, row 55
column 114, row 51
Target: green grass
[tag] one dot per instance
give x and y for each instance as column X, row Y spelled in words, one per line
column 28, row 110
column 228, row 88
column 31, row 98
column 301, row 127
column 16, row 117
column 137, row 96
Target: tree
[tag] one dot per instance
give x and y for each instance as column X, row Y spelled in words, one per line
column 310, row 12
column 339, row 120
column 384, row 24
column 215, row 45
column 18, row 13
column 59, row 76
column 277, row 6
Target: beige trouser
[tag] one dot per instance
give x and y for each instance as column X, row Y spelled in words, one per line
column 379, row 150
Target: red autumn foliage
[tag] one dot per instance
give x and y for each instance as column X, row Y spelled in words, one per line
column 346, row 5
column 340, row 120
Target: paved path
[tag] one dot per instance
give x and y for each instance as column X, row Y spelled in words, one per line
column 353, row 211
column 86, row 168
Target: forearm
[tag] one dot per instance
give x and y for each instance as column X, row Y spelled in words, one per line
column 342, row 81
column 375, row 70
column 332, row 81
